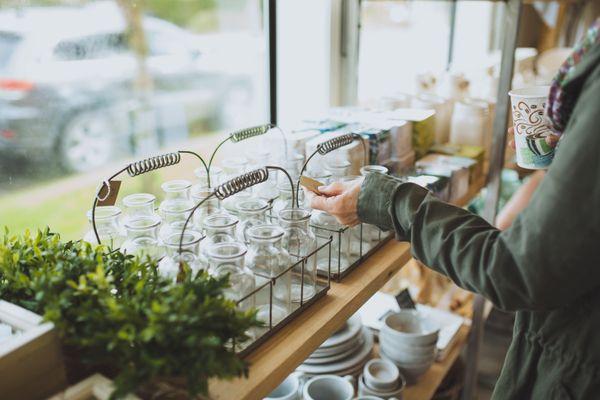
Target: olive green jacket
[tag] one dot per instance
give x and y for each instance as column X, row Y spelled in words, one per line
column 546, row 267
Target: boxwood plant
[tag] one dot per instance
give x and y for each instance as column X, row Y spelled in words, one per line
column 115, row 313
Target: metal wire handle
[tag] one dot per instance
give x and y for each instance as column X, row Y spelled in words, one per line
column 241, row 182
column 327, row 147
column 138, row 168
column 335, row 143
column 247, row 133
column 152, row 163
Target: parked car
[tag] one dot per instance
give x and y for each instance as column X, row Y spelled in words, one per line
column 69, row 85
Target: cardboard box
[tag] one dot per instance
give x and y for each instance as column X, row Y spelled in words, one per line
column 459, row 176
column 423, row 127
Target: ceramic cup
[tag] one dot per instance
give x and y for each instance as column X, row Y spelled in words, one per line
column 329, row 387
column 531, row 127
column 381, row 374
column 288, row 389
column 364, row 390
column 411, row 328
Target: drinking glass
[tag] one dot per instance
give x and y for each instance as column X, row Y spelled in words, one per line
column 107, row 225
column 142, row 237
column 251, row 212
column 190, row 241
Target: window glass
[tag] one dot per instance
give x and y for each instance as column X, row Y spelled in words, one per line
column 94, row 85
column 8, row 44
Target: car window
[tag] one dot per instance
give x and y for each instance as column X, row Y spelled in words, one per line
column 91, row 47
column 8, row 44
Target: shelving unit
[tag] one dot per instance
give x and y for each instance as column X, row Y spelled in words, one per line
column 288, row 348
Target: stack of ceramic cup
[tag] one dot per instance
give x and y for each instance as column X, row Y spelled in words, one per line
column 344, row 353
column 381, row 378
column 408, row 339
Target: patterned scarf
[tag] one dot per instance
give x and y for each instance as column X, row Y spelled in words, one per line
column 559, row 106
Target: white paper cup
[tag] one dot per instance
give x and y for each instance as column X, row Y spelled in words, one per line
column 531, row 127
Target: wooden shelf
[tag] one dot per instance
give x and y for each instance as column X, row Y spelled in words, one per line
column 273, row 361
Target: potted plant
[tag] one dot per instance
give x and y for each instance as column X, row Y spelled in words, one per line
column 115, row 314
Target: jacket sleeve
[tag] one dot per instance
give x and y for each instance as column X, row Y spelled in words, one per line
column 551, row 254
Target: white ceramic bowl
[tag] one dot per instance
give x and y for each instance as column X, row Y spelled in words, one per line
column 411, row 328
column 381, row 374
column 403, row 355
column 328, row 387
column 410, row 371
column 364, row 390
column 287, row 390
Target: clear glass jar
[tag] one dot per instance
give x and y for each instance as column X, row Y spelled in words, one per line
column 338, row 168
column 369, row 169
column 268, row 259
column 139, row 204
column 232, row 168
column 228, row 258
column 293, row 165
column 284, row 199
column 176, row 191
column 190, row 254
column 259, row 158
column 251, row 212
column 218, row 228
column 216, row 176
column 142, row 237
column 353, row 233
column 208, row 207
column 326, row 226
column 108, row 227
column 300, row 241
column 174, row 214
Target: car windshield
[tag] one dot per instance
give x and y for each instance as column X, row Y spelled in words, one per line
column 8, row 45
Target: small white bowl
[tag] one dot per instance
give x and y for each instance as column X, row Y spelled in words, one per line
column 381, row 374
column 411, row 328
column 364, row 390
column 402, row 355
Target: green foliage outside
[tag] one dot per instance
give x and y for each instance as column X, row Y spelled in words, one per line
column 116, row 314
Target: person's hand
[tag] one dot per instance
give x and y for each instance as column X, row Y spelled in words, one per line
column 339, row 199
column 551, row 139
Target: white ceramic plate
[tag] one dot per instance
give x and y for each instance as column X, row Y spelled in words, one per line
column 347, row 363
column 364, row 390
column 353, row 327
column 335, row 357
column 333, row 350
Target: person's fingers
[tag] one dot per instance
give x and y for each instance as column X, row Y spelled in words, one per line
column 334, row 189
column 511, row 131
column 511, row 144
column 323, row 203
column 511, row 137
column 552, row 140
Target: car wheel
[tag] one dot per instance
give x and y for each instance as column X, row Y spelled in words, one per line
column 85, row 143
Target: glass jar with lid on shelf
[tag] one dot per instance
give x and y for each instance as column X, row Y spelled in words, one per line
column 251, row 212
column 232, row 168
column 267, row 259
column 108, row 227
column 300, row 241
column 142, row 237
column 190, row 254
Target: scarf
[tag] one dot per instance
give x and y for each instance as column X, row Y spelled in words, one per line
column 559, row 106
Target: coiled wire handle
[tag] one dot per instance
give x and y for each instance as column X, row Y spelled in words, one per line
column 327, row 147
column 138, row 168
column 232, row 187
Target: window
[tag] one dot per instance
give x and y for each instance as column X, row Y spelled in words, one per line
column 8, row 45
column 92, row 86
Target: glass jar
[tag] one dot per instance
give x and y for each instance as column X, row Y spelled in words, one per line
column 142, row 237
column 284, row 199
column 107, row 225
column 293, row 165
column 174, row 214
column 208, row 207
column 251, row 212
column 354, row 234
column 369, row 169
column 139, row 204
column 326, row 226
column 300, row 241
column 259, row 158
column 190, row 254
column 218, row 228
column 338, row 168
column 216, row 175
column 176, row 191
column 228, row 258
column 232, row 168
column 267, row 259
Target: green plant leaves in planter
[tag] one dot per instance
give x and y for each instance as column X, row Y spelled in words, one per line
column 116, row 311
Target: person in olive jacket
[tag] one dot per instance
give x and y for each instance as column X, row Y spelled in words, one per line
column 546, row 266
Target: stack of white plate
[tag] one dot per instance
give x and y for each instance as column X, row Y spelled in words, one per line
column 344, row 353
column 408, row 339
